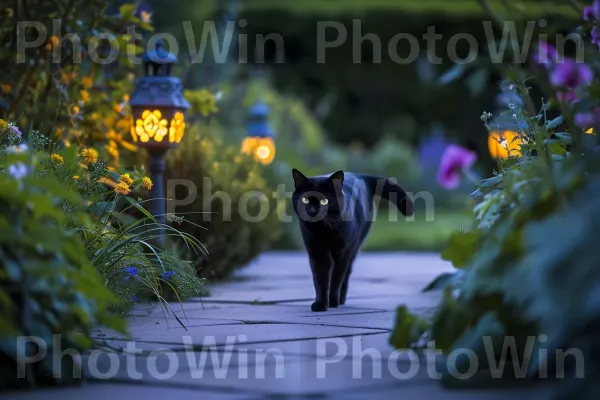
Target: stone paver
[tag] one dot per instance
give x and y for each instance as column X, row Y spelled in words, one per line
column 115, row 391
column 257, row 338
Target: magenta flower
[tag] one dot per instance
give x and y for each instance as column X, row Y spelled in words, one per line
column 567, row 96
column 546, row 54
column 592, row 12
column 596, row 36
column 589, row 120
column 454, row 160
column 571, row 74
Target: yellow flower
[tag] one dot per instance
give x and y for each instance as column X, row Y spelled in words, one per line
column 76, row 177
column 117, row 108
column 113, row 136
column 3, row 125
column 126, row 179
column 57, row 158
column 6, row 88
column 124, row 124
column 87, row 82
column 146, row 17
column 85, row 96
column 147, row 182
column 206, row 102
column 126, row 98
column 65, row 77
column 53, row 42
column 89, row 155
column 122, row 189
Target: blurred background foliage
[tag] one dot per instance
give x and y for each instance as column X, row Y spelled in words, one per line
column 375, row 117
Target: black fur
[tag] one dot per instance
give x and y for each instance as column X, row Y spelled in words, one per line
column 333, row 232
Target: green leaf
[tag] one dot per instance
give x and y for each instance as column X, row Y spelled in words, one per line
column 140, row 209
column 127, row 10
column 442, row 281
column 560, row 137
column 407, row 329
column 555, row 123
column 490, row 182
column 452, row 74
column 461, row 247
column 450, row 322
column 488, row 326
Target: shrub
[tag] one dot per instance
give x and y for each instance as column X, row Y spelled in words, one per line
column 64, row 92
column 231, row 238
column 527, row 271
column 121, row 247
column 47, row 285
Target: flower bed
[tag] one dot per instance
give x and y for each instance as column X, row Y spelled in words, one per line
column 526, row 275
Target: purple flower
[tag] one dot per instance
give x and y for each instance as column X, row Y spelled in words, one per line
column 566, row 96
column 546, row 54
column 454, row 160
column 167, row 275
column 592, row 12
column 589, row 120
column 571, row 74
column 134, row 298
column 132, row 271
column 14, row 131
column 596, row 36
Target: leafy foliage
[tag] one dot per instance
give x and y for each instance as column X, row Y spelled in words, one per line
column 526, row 272
column 120, row 246
column 232, row 209
column 75, row 87
column 47, row 285
column 73, row 258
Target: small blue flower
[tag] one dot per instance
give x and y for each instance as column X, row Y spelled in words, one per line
column 167, row 275
column 132, row 271
column 18, row 170
column 14, row 132
column 134, row 298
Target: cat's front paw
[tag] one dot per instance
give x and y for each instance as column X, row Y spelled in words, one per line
column 334, row 303
column 318, row 306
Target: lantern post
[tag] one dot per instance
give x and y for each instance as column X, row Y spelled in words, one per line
column 260, row 141
column 158, row 107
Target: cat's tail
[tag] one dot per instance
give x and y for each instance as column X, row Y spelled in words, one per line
column 390, row 191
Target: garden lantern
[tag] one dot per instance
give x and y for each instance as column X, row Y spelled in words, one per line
column 158, row 107
column 259, row 141
column 503, row 144
column 503, row 141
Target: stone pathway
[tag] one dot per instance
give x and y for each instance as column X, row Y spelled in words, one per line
column 256, row 338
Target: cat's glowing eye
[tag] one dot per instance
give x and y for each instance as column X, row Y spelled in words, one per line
column 324, row 202
column 305, row 200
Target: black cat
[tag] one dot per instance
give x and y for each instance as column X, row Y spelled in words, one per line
column 336, row 212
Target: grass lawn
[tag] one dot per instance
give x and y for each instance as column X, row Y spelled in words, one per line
column 417, row 235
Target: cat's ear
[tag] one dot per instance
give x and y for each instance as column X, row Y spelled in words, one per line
column 337, row 177
column 299, row 178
